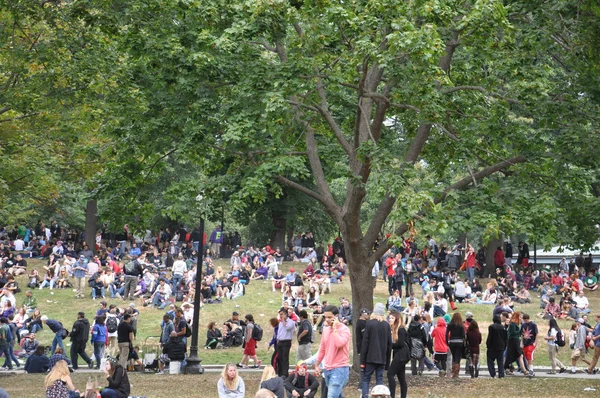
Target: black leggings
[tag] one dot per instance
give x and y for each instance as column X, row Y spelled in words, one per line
column 457, row 350
column 398, row 369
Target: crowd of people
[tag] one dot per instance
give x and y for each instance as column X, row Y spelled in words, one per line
column 421, row 326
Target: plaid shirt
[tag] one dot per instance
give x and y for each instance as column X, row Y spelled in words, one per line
column 58, row 357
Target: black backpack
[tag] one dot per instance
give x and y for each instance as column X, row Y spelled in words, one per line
column 257, row 332
column 560, row 338
column 188, row 330
column 111, row 324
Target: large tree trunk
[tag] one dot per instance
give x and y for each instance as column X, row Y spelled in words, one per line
column 362, row 287
column 278, row 235
column 90, row 224
column 489, row 255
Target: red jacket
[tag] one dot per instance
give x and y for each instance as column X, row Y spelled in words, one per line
column 439, row 337
column 499, row 258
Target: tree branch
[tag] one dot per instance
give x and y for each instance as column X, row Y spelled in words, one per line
column 19, row 117
column 482, row 90
column 300, row 188
column 462, row 184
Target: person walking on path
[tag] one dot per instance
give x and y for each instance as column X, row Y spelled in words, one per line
column 285, row 333
column 125, row 339
column 305, row 337
column 334, row 352
column 529, row 331
column 376, row 348
column 80, row 333
column 99, row 339
column 455, row 337
column 579, row 348
column 596, row 344
column 249, row 345
column 496, row 344
column 551, row 340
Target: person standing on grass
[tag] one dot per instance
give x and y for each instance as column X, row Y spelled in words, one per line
column 596, row 344
column 79, row 337
column 124, row 339
column 376, row 348
column 579, row 348
column 79, row 272
column 334, row 351
column 249, row 345
column 57, row 328
column 5, row 339
column 529, row 331
column 285, row 333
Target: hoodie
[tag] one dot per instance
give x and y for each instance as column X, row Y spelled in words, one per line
column 81, row 331
column 439, row 337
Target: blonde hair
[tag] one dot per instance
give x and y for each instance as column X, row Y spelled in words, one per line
column 264, row 393
column 268, row 373
column 398, row 323
column 380, row 318
column 230, row 384
column 60, row 371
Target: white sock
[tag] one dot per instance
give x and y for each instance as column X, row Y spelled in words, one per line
column 573, row 368
column 531, row 367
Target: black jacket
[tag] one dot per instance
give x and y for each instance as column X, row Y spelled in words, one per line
column 401, row 348
column 275, row 385
column 119, row 382
column 300, row 384
column 376, row 345
column 359, row 329
column 497, row 337
column 80, row 333
column 175, row 349
column 417, row 331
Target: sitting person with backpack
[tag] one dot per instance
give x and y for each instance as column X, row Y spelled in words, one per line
column 252, row 335
column 173, row 350
column 302, row 383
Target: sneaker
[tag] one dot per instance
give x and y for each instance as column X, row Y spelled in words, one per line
column 117, row 295
column 531, row 374
column 595, row 371
column 239, row 365
column 160, row 372
column 573, row 372
column 91, row 364
column 551, row 372
column 562, row 370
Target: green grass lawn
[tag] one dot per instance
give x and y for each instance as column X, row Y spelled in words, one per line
column 259, row 301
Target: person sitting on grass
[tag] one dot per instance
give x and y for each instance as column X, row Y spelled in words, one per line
column 231, row 385
column 271, row 382
column 118, row 381
column 300, row 383
column 58, row 382
column 38, row 362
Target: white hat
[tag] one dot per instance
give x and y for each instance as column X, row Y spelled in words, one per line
column 380, row 390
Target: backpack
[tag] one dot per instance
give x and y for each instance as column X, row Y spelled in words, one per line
column 111, row 324
column 179, row 296
column 418, row 349
column 130, row 267
column 560, row 338
column 9, row 335
column 257, row 332
column 188, row 330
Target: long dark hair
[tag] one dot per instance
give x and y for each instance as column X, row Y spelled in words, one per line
column 473, row 327
column 552, row 324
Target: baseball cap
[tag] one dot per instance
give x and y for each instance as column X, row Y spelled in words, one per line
column 580, row 320
column 469, row 314
column 364, row 311
column 235, row 313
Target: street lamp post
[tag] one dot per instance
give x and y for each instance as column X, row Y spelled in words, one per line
column 193, row 365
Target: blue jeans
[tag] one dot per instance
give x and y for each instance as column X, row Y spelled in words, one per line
column 114, row 291
column 176, row 280
column 58, row 341
column 471, row 273
column 109, row 393
column 99, row 352
column 368, row 372
column 6, row 351
column 94, row 292
column 336, row 379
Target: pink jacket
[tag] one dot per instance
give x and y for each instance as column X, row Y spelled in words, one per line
column 334, row 350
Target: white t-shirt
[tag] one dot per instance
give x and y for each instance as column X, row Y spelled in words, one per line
column 19, row 245
column 553, row 333
column 581, row 302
